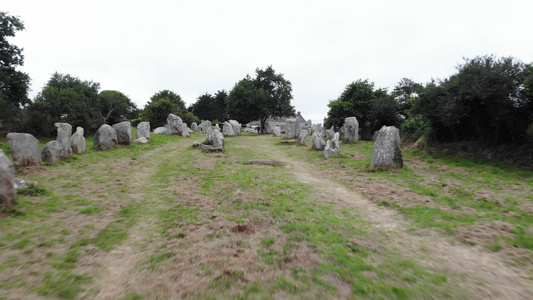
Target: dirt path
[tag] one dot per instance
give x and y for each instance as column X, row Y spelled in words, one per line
column 486, row 275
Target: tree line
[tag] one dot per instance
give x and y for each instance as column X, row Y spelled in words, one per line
column 488, row 100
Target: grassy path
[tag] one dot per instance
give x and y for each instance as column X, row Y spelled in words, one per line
column 168, row 221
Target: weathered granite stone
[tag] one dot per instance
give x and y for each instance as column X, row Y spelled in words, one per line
column 332, row 147
column 24, row 148
column 218, row 140
column 174, row 124
column 227, row 129
column 141, row 141
column 185, row 131
column 194, row 127
column 77, row 141
column 375, row 135
column 318, row 142
column 236, row 127
column 330, row 133
column 5, row 161
column 302, row 137
column 276, row 131
column 124, row 135
column 143, row 130
column 351, row 130
column 64, row 133
column 161, row 131
column 209, row 135
column 292, row 128
column 216, row 127
column 51, row 152
column 105, row 138
column 268, row 128
column 204, row 126
column 387, row 151
column 8, row 190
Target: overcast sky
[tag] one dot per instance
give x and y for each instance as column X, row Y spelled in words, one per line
column 193, row 47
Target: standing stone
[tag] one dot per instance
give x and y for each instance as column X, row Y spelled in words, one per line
column 77, row 141
column 318, row 141
column 218, row 140
column 330, row 133
column 209, row 136
column 52, row 152
column 174, row 124
column 292, row 128
column 24, row 148
column 161, row 131
column 216, row 127
column 204, row 126
column 387, row 151
column 64, row 133
column 143, row 130
column 142, row 141
column 268, row 128
column 332, row 147
column 8, row 188
column 194, row 127
column 227, row 129
column 302, row 137
column 276, row 131
column 236, row 127
column 105, row 138
column 185, row 131
column 5, row 161
column 124, row 135
column 351, row 130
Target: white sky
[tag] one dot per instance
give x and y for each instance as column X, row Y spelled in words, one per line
column 193, row 47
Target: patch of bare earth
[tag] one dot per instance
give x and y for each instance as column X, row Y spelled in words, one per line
column 487, row 275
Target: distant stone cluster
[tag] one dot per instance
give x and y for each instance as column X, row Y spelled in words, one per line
column 386, row 151
column 26, row 151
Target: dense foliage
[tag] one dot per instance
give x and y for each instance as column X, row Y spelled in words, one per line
column 372, row 107
column 267, row 95
column 209, row 107
column 160, row 105
column 114, row 107
column 13, row 83
column 489, row 100
column 67, row 99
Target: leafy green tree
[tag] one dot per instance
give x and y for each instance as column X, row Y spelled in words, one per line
column 114, row 106
column 65, row 99
column 13, row 83
column 484, row 102
column 160, row 105
column 267, row 95
column 406, row 93
column 209, row 107
column 373, row 108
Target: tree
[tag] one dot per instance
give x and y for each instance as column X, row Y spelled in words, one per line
column 406, row 93
column 13, row 83
column 372, row 108
column 160, row 105
column 65, row 99
column 114, row 106
column 267, row 95
column 484, row 101
column 209, row 107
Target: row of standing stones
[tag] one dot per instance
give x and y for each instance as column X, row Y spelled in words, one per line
column 25, row 148
column 386, row 152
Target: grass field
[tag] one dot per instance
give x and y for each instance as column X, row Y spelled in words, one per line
column 167, row 221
